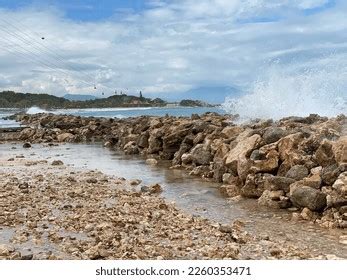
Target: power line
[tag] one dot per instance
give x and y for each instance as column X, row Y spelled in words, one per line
column 45, row 60
column 32, row 57
column 39, row 47
column 43, row 48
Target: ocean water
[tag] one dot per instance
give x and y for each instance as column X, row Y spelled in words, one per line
column 113, row 112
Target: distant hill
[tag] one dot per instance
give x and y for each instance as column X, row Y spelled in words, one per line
column 10, row 99
column 211, row 94
column 79, row 97
column 193, row 103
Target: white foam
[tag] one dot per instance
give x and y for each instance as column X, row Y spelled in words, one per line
column 35, row 110
column 283, row 92
column 66, row 111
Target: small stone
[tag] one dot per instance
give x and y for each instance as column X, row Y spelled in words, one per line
column 57, row 162
column 27, row 256
column 275, row 252
column 92, row 180
column 23, row 186
column 152, row 189
column 108, row 144
column 135, row 182
column 151, row 161
column 307, row 214
column 226, row 228
column 26, row 145
column 5, row 250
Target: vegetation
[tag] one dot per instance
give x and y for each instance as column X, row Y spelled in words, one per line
column 10, row 99
column 193, row 103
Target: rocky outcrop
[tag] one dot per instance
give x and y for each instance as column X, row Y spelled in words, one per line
column 299, row 162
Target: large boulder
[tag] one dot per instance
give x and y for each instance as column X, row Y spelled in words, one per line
column 185, row 147
column 131, row 148
column 201, row 154
column 324, row 154
column 254, row 186
column 231, row 131
column 27, row 133
column 142, row 141
column 278, row 183
column 243, row 149
column 219, row 167
column 313, row 199
column 230, row 190
column 340, row 150
column 172, row 141
column 65, row 137
column 274, row 199
column 155, row 142
column 288, row 149
column 273, row 134
column 340, row 184
column 330, row 174
column 268, row 165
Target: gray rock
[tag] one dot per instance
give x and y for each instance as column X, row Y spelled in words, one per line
column 57, row 162
column 26, row 145
column 256, row 155
column 330, row 174
column 201, row 155
column 297, row 172
column 92, row 180
column 324, row 154
column 273, row 134
column 308, row 197
column 275, row 183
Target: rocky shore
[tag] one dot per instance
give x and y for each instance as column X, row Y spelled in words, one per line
column 52, row 211
column 294, row 163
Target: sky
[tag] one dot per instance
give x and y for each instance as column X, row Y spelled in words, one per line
column 164, row 48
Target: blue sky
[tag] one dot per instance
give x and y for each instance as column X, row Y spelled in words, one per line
column 94, row 10
column 163, row 47
column 81, row 10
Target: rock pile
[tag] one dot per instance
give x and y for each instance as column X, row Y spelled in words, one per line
column 294, row 162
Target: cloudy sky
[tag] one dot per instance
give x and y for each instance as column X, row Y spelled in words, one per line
column 165, row 47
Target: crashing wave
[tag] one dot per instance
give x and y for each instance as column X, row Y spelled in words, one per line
column 283, row 92
column 35, row 110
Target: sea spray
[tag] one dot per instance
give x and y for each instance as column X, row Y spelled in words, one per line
column 35, row 110
column 283, row 92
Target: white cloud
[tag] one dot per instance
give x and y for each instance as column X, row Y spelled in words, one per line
column 169, row 48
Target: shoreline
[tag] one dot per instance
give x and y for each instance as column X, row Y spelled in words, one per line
column 295, row 162
column 33, row 121
column 74, row 214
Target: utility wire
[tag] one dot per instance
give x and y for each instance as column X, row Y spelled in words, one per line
column 44, row 48
column 45, row 60
column 32, row 56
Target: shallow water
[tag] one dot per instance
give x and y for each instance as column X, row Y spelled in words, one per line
column 191, row 194
column 113, row 112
